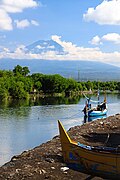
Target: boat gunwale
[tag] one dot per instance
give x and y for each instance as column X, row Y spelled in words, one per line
column 95, row 150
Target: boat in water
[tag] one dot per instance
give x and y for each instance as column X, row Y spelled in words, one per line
column 93, row 118
column 96, row 160
column 99, row 110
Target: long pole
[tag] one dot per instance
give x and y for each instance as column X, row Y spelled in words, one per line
column 98, row 97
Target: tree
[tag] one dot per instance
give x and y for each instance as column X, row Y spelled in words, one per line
column 118, row 86
column 53, row 83
column 6, row 73
column 89, row 85
column 18, row 70
column 18, row 91
column 3, row 90
column 72, row 85
column 37, row 79
column 25, row 71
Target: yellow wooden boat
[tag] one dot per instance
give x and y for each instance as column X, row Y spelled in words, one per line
column 103, row 161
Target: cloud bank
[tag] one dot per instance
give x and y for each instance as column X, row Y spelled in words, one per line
column 110, row 37
column 25, row 23
column 8, row 7
column 72, row 52
column 106, row 13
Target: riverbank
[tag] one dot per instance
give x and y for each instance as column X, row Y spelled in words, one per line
column 46, row 162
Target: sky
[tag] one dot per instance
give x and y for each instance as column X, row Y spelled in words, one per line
column 87, row 30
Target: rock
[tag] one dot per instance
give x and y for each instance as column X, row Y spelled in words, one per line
column 18, row 170
column 14, row 158
column 43, row 171
column 50, row 160
column 64, row 168
column 102, row 123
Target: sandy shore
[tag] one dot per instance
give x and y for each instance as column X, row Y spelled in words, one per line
column 46, row 161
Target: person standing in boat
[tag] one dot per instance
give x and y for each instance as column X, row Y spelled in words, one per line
column 87, row 107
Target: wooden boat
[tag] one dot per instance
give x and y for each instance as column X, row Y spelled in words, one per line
column 92, row 118
column 103, row 161
column 99, row 110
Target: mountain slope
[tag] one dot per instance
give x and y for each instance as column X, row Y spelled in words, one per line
column 82, row 70
column 42, row 46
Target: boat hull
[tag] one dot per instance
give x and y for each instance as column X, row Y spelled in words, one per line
column 97, row 113
column 94, row 162
column 86, row 158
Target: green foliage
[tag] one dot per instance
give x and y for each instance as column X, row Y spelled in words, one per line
column 3, row 90
column 18, row 70
column 6, row 73
column 53, row 83
column 19, row 85
column 118, row 86
column 37, row 78
column 3, row 93
column 15, row 84
column 80, row 87
column 18, row 91
column 72, row 85
column 89, row 85
column 25, row 71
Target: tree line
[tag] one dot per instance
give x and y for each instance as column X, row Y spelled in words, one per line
column 19, row 84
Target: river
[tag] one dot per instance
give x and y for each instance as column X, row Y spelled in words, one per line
column 26, row 124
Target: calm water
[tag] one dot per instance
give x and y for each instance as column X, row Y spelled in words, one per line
column 24, row 125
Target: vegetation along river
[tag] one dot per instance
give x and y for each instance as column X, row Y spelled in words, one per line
column 26, row 124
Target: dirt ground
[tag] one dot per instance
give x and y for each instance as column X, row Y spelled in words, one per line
column 46, row 161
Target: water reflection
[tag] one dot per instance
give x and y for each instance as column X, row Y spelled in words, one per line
column 28, row 123
column 14, row 103
column 23, row 128
column 40, row 101
column 14, row 113
column 56, row 100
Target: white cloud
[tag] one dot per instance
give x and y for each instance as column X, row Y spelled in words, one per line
column 110, row 37
column 25, row 23
column 108, row 12
column 6, row 49
column 72, row 52
column 95, row 40
column 13, row 6
column 35, row 23
column 113, row 37
column 40, row 47
column 22, row 24
column 67, row 46
column 5, row 21
column 51, row 47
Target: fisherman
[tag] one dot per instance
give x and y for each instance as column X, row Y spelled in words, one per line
column 85, row 109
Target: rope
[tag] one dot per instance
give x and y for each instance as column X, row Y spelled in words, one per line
column 90, row 99
column 108, row 136
column 68, row 117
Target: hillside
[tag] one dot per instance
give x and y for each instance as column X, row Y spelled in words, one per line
column 79, row 70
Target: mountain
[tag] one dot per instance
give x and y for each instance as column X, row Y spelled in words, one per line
column 79, row 70
column 42, row 46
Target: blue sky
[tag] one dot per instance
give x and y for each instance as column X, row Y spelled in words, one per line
column 87, row 30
